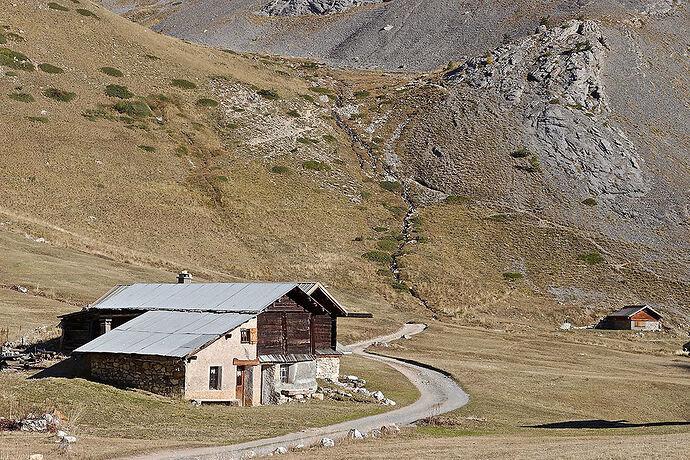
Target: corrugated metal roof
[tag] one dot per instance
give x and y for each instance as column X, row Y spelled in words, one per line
column 629, row 310
column 219, row 297
column 165, row 333
column 293, row 358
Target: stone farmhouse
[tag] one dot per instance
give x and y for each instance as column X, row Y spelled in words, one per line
column 236, row 343
column 633, row 317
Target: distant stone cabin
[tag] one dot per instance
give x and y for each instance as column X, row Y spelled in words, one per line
column 240, row 343
column 633, row 317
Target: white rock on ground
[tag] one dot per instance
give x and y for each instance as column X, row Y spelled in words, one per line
column 355, row 434
column 327, row 442
column 280, row 450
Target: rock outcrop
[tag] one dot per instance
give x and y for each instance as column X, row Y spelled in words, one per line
column 315, row 7
column 553, row 78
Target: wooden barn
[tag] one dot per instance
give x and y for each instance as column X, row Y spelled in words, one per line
column 633, row 317
column 240, row 343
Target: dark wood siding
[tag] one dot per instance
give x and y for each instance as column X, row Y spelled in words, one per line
column 642, row 316
column 270, row 331
column 298, row 333
column 322, row 331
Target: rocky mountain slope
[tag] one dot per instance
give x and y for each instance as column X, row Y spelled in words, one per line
column 532, row 181
column 319, row 7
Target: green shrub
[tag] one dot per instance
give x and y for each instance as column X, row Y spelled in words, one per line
column 329, row 138
column 57, row 6
column 118, row 91
column 12, row 36
column 38, row 119
column 555, row 101
column 362, row 94
column 111, row 71
column 399, row 287
column 378, row 257
column 365, row 195
column 136, row 109
column 509, row 276
column 320, row 90
column 590, row 202
column 387, row 244
column 183, row 84
column 280, row 170
column 3, row 39
column 315, row 165
column 15, row 60
column 206, row 102
column 11, row 74
column 456, row 199
column 86, row 13
column 307, row 141
column 147, row 148
column 268, row 94
column 591, row 258
column 384, row 272
column 390, row 186
column 223, row 178
column 520, row 153
column 307, row 97
column 534, row 165
column 380, row 229
column 22, row 97
column 59, row 95
column 50, row 68
column 422, row 239
column 498, row 218
column 294, row 113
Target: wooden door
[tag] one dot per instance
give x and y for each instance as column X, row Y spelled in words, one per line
column 239, row 384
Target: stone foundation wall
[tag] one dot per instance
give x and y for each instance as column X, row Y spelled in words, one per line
column 157, row 374
column 328, row 368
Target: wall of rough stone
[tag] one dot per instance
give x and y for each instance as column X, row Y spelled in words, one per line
column 327, row 368
column 157, row 374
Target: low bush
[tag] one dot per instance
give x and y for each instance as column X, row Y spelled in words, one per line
column 206, row 102
column 87, row 13
column 38, row 119
column 379, row 257
column 57, row 6
column 307, row 140
column 111, row 71
column 362, row 94
column 329, row 138
column 387, row 244
column 118, row 91
column 147, row 148
column 22, row 97
column 590, row 202
column 591, row 258
column 280, row 170
column 183, row 84
column 50, row 68
column 380, row 229
column 320, row 90
column 294, row 113
column 520, row 153
column 315, row 165
column 15, row 60
column 223, row 178
column 268, row 94
column 365, row 195
column 59, row 95
column 391, row 186
column 136, row 109
column 509, row 276
column 399, row 287
column 456, row 199
column 498, row 218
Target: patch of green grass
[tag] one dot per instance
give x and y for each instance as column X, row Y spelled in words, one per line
column 86, row 13
column 362, row 94
column 50, row 68
column 183, row 84
column 390, row 186
column 320, row 90
column 457, row 199
column 307, row 140
column 136, row 109
column 3, row 39
column 111, row 71
column 268, row 94
column 399, row 287
column 11, row 36
column 207, row 102
column 153, row 57
column 223, row 178
column 387, row 243
column 294, row 113
column 329, row 138
column 278, row 169
column 307, row 97
column 380, row 229
column 38, row 119
column 534, row 165
column 384, row 272
column 15, row 60
column 365, row 195
column 57, row 6
column 502, row 218
column 11, row 73
column 591, row 258
column 22, row 97
column 520, row 153
column 59, row 95
column 397, row 211
column 315, row 165
column 510, row 276
column 147, row 148
column 555, row 101
column 379, row 257
column 590, row 202
column 118, row 91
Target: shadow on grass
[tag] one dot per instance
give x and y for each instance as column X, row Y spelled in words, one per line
column 72, row 367
column 601, row 424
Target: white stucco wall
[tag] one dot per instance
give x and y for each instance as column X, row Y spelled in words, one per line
column 221, row 353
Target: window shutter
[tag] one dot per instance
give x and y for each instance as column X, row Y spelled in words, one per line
column 253, row 335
